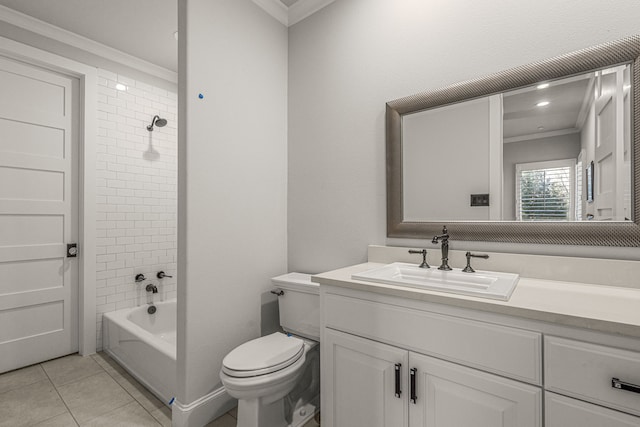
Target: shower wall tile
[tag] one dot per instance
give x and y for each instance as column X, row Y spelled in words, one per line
column 136, row 185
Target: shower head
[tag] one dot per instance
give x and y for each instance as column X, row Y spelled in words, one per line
column 157, row 121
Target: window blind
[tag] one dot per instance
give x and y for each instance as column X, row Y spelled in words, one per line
column 545, row 193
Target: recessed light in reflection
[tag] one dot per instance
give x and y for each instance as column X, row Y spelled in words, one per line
column 120, row 86
column 542, row 104
column 543, row 86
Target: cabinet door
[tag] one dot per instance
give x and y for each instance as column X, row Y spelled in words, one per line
column 561, row 411
column 359, row 382
column 450, row 395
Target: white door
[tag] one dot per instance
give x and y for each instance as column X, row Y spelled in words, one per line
column 38, row 214
column 450, row 395
column 609, row 151
column 360, row 388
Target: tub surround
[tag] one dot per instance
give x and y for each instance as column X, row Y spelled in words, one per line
column 136, row 190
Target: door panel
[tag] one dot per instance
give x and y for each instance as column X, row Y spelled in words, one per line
column 609, row 150
column 361, row 383
column 561, row 411
column 38, row 214
column 450, row 395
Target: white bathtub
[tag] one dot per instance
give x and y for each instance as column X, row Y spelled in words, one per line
column 145, row 345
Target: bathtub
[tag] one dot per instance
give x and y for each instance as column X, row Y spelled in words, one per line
column 145, row 345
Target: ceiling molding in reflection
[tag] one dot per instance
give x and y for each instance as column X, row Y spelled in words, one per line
column 293, row 14
column 50, row 31
column 540, row 135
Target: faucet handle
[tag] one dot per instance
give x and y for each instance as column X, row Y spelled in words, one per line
column 140, row 278
column 161, row 275
column 424, row 257
column 469, row 255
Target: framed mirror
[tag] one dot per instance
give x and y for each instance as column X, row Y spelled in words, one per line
column 543, row 153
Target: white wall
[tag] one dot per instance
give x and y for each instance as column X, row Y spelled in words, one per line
column 232, row 180
column 136, row 188
column 445, row 159
column 350, row 58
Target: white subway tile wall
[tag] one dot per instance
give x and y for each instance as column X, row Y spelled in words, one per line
column 136, row 193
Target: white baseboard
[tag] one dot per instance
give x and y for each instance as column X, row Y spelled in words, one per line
column 203, row 410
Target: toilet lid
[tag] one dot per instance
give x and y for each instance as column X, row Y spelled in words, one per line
column 263, row 355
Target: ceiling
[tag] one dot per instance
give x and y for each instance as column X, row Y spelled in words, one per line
column 142, row 28
column 568, row 99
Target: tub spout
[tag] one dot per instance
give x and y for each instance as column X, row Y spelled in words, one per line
column 152, row 288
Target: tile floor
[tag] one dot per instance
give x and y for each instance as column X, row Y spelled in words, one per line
column 84, row 391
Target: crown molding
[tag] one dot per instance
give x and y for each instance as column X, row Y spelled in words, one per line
column 540, row 135
column 304, row 8
column 50, row 31
column 275, row 8
column 298, row 11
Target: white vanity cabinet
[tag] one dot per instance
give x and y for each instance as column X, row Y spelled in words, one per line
column 391, row 366
column 562, row 411
column 377, row 385
column 586, row 372
column 361, row 375
column 390, row 361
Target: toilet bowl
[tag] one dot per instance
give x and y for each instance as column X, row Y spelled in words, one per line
column 276, row 377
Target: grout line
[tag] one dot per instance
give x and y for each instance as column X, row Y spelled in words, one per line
column 23, row 385
column 59, row 395
column 88, row 376
column 127, row 391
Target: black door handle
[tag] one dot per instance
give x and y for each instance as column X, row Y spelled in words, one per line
column 412, row 375
column 398, row 391
column 616, row 383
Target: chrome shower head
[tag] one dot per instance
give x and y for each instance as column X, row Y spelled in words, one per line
column 157, row 121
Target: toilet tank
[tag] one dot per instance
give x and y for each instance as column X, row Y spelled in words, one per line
column 299, row 304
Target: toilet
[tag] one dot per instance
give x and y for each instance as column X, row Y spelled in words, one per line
column 276, row 378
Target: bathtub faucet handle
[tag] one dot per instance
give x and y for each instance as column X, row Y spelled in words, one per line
column 161, row 275
column 140, row 278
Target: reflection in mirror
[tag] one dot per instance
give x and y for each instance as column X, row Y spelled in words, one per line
column 525, row 154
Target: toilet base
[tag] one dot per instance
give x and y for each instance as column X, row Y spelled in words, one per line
column 304, row 413
column 254, row 413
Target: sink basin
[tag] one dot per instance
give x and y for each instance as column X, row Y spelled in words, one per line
column 485, row 284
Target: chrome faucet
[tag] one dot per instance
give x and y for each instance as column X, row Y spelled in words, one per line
column 469, row 255
column 444, row 239
column 152, row 288
column 423, row 252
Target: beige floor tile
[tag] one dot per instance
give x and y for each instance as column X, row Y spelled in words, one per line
column 93, row 396
column 312, row 423
column 131, row 415
column 64, row 420
column 163, row 415
column 234, row 412
column 21, row 377
column 107, row 363
column 70, row 368
column 138, row 391
column 30, row 405
column 224, row 421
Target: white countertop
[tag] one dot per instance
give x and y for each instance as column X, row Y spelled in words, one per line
column 609, row 309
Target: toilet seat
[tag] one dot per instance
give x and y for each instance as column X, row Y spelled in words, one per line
column 263, row 356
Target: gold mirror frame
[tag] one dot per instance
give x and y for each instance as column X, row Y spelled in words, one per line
column 626, row 50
